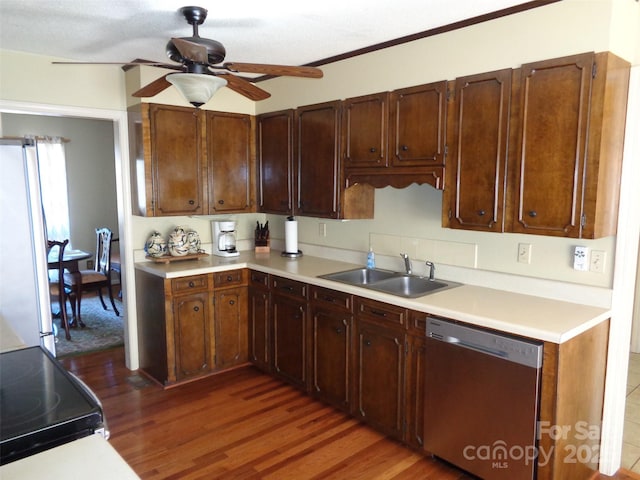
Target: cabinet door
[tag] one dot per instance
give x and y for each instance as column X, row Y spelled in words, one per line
column 379, row 377
column 259, row 328
column 175, row 181
column 479, row 117
column 551, row 143
column 229, row 154
column 192, row 335
column 231, row 332
column 289, row 336
column 330, row 349
column 414, row 390
column 417, row 125
column 275, row 162
column 364, row 126
column 318, row 175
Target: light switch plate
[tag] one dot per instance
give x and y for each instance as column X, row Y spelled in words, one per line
column 524, row 253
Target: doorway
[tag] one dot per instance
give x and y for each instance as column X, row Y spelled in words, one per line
column 120, row 150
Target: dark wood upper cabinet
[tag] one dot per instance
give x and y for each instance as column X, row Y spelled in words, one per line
column 569, row 132
column 175, row 171
column 275, row 162
column 230, row 154
column 477, row 159
column 417, row 126
column 365, row 126
column 318, row 160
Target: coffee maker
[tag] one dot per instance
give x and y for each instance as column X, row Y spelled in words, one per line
column 224, row 238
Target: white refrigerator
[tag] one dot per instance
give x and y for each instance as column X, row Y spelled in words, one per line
column 24, row 283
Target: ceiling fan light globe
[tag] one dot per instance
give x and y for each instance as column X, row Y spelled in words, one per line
column 196, row 88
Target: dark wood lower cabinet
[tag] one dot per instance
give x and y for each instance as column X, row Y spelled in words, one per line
column 192, row 330
column 379, row 377
column 289, row 318
column 259, row 326
column 331, row 350
column 230, row 316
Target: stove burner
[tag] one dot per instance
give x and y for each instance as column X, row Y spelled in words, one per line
column 26, row 407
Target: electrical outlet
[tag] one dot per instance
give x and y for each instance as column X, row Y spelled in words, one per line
column 598, row 259
column 524, row 253
column 322, row 229
column 89, row 264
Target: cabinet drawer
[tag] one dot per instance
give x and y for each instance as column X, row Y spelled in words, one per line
column 380, row 313
column 190, row 284
column 288, row 287
column 228, row 279
column 259, row 279
column 418, row 322
column 325, row 296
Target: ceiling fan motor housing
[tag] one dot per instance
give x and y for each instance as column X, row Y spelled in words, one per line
column 215, row 50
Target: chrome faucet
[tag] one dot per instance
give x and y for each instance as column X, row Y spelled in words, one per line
column 432, row 269
column 407, row 263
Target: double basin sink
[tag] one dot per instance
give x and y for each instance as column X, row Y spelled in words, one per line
column 386, row 281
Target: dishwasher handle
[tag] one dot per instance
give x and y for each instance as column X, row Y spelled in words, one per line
column 503, row 346
column 470, row 345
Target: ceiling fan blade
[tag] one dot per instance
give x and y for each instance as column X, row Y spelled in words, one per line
column 153, row 88
column 191, row 51
column 126, row 64
column 244, row 87
column 281, row 70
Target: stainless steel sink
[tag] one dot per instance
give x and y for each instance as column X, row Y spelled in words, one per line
column 394, row 283
column 409, row 286
column 360, row 276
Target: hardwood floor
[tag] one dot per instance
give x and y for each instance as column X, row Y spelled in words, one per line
column 243, row 425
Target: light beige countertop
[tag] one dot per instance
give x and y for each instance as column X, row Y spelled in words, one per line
column 527, row 315
column 91, row 458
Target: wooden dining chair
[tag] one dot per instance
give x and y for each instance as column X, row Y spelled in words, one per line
column 96, row 279
column 116, row 265
column 57, row 290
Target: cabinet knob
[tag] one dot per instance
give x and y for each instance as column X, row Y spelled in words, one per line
column 192, row 202
column 367, row 343
column 404, row 148
column 533, row 213
column 232, row 302
column 372, row 149
column 196, row 309
column 191, row 284
column 481, row 213
column 220, row 202
column 338, row 331
column 229, row 278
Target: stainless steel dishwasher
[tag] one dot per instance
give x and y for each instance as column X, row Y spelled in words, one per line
column 481, row 400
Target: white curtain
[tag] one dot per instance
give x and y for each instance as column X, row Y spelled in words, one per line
column 53, row 182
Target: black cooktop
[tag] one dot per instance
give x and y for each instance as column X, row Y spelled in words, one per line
column 41, row 404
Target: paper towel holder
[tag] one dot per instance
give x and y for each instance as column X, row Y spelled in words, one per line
column 293, row 245
column 292, row 254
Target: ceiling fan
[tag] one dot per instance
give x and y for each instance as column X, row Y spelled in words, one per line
column 202, row 70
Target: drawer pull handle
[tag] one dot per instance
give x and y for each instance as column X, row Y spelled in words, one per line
column 287, row 288
column 229, row 278
column 191, row 284
column 329, row 299
column 379, row 313
column 196, row 309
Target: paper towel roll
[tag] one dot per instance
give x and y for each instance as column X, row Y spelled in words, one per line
column 291, row 236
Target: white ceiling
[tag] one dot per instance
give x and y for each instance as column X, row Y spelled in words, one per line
column 288, row 32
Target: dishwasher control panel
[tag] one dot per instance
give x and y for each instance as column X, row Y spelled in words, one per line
column 524, row 352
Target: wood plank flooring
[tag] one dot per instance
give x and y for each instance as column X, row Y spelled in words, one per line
column 243, row 425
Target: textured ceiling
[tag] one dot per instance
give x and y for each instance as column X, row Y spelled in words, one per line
column 276, row 31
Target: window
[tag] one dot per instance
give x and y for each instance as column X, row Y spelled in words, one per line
column 53, row 184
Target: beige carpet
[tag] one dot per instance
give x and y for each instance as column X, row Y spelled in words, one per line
column 103, row 329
